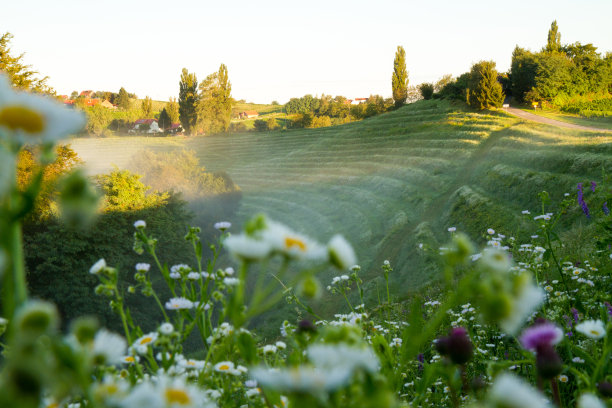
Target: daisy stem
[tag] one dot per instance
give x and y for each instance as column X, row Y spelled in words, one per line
column 18, row 292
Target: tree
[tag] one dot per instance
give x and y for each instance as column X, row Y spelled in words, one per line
column 427, row 90
column 172, row 109
column 20, row 75
column 123, row 99
column 147, row 106
column 164, row 119
column 188, row 100
column 399, row 79
column 484, row 91
column 215, row 102
column 523, row 70
column 554, row 38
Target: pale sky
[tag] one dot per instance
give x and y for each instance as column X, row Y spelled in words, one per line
column 275, row 50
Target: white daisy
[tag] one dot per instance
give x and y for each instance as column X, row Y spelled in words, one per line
column 97, row 267
column 179, row 303
column 509, row 391
column 590, row 401
column 594, row 329
column 247, row 248
column 341, row 253
column 143, row 267
column 140, row 224
column 223, row 225
column 108, row 348
column 35, row 119
column 166, row 328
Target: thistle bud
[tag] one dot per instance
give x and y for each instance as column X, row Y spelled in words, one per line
column 548, row 362
column 457, row 346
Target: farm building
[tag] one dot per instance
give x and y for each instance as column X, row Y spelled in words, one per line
column 248, row 114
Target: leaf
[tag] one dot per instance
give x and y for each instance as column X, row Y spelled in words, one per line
column 247, row 347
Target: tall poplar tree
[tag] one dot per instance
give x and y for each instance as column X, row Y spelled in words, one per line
column 554, row 38
column 19, row 74
column 172, row 109
column 399, row 79
column 188, row 101
column 147, row 106
column 215, row 105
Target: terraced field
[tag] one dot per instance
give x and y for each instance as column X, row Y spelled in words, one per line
column 395, row 180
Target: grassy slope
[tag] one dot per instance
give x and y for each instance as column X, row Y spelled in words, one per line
column 394, row 180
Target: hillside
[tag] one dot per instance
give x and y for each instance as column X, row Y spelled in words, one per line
column 393, row 181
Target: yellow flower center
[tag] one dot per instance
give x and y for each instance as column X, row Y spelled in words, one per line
column 129, row 359
column 53, row 405
column 224, row 367
column 111, row 389
column 294, row 242
column 22, row 118
column 177, row 396
column 146, row 340
column 594, row 332
column 190, row 363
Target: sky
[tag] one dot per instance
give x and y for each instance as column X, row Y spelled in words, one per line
column 276, row 50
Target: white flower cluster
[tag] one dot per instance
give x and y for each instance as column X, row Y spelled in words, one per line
column 275, row 238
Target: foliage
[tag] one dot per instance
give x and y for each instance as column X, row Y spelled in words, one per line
column 559, row 71
column 188, row 101
column 592, row 108
column 399, row 79
column 427, row 90
column 484, row 91
column 455, row 89
column 214, row 108
column 164, row 119
column 147, row 107
column 20, row 75
column 554, row 38
column 98, row 119
column 172, row 109
column 123, row 191
column 123, row 99
column 65, row 160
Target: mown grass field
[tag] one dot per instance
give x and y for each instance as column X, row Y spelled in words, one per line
column 393, row 181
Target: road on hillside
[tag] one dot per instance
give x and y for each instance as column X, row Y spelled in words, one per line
column 536, row 118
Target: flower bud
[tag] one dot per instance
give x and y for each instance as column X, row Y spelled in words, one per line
column 605, row 389
column 458, row 346
column 548, row 362
column 37, row 317
column 306, row 326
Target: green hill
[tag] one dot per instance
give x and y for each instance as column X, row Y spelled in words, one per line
column 395, row 180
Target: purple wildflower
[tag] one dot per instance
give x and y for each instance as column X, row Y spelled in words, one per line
column 575, row 314
column 609, row 306
column 421, row 358
column 593, row 185
column 544, row 334
column 569, row 334
column 606, row 210
column 568, row 320
column 457, row 346
column 581, row 201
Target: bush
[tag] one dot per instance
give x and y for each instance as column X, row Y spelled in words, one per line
column 484, row 91
column 427, row 90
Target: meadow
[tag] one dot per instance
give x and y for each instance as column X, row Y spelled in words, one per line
column 393, row 181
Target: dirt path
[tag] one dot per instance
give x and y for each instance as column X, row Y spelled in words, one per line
column 536, row 118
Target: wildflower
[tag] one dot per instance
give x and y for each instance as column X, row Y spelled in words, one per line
column 593, row 185
column 179, row 303
column 35, row 119
column 509, row 391
column 140, row 224
column 540, row 335
column 142, row 344
column 578, row 360
column 281, row 345
column 167, row 392
column 223, row 225
column 525, row 212
column 231, row 281
column 247, row 248
column 563, row 378
column 457, row 346
column 490, row 231
column 589, row 401
column 224, row 367
column 97, row 267
column 108, row 348
column 143, row 267
column 594, row 329
column 193, row 276
column 229, row 271
column 496, row 260
column 129, row 359
column 605, row 388
column 36, row 317
column 341, row 253
column 548, row 288
column 452, row 229
column 166, row 328
column 269, row 349
column 291, row 244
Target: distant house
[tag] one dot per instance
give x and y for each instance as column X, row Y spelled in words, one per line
column 108, row 105
column 91, row 102
column 358, row 101
column 152, row 124
column 175, row 129
column 87, row 94
column 248, row 114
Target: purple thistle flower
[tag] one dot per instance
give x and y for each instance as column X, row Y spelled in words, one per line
column 568, row 320
column 593, row 185
column 569, row 334
column 605, row 208
column 540, row 335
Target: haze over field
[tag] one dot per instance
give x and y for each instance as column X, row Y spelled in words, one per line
column 393, row 181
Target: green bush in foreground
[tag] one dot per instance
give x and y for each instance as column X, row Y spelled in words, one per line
column 502, row 320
